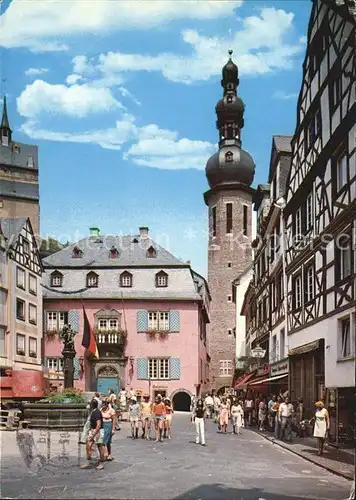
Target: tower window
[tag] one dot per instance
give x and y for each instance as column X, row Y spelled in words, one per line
column 229, row 264
column 245, row 220
column 229, row 332
column 229, row 298
column 229, row 217
column 213, row 221
column 229, row 156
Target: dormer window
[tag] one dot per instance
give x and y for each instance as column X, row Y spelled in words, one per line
column 135, row 240
column 77, row 253
column 151, row 252
column 56, row 279
column 92, row 280
column 161, row 279
column 126, row 279
column 229, row 156
column 114, row 253
column 30, row 162
column 16, row 148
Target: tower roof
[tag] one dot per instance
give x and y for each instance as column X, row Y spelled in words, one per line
column 5, row 119
column 231, row 164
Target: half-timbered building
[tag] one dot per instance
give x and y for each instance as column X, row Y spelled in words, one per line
column 320, row 214
column 20, row 310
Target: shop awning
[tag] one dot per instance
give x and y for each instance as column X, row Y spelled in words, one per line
column 303, row 349
column 243, row 380
column 270, row 379
column 256, row 381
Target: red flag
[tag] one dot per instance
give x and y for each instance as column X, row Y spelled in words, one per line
column 88, row 340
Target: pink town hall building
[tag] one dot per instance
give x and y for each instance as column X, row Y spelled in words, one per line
column 149, row 312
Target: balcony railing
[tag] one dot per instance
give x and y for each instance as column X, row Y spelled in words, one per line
column 112, row 337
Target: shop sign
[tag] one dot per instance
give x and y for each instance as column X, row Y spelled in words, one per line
column 280, row 368
column 264, row 370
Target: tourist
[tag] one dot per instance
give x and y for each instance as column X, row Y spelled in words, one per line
column 217, row 404
column 134, row 416
column 95, row 436
column 209, row 405
column 122, row 399
column 109, row 422
column 275, row 410
column 248, row 410
column 299, row 418
column 271, row 413
column 224, row 415
column 146, row 416
column 98, row 399
column 262, row 413
column 321, row 425
column 159, row 412
column 285, row 413
column 199, row 414
column 168, row 420
column 237, row 416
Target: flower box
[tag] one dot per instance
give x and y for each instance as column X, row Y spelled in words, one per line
column 33, row 354
column 20, row 352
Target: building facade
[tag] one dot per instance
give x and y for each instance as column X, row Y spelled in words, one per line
column 19, row 191
column 320, row 216
column 230, row 173
column 149, row 312
column 20, row 310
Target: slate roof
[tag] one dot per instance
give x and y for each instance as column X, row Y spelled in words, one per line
column 9, row 157
column 96, row 253
column 11, row 228
column 283, row 143
column 23, row 190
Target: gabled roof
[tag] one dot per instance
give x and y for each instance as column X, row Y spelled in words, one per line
column 11, row 228
column 281, row 144
column 96, row 253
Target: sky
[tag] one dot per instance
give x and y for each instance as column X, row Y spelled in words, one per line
column 120, row 98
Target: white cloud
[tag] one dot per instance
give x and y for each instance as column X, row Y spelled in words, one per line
column 38, row 24
column 152, row 146
column 280, row 94
column 260, row 48
column 73, row 78
column 35, row 71
column 76, row 100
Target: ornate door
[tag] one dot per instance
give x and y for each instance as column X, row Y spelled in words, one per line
column 108, row 378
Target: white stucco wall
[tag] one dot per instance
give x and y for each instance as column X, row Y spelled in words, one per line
column 338, row 373
column 241, row 320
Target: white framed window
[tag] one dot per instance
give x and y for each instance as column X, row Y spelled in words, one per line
column 309, row 283
column 282, row 344
column 298, row 222
column 298, row 292
column 274, row 355
column 32, row 284
column 32, row 347
column 345, row 337
column 20, row 344
column 225, row 368
column 55, row 364
column 56, row 320
column 153, row 320
column 341, row 169
column 30, row 162
column 32, row 314
column 92, row 280
column 309, row 212
column 56, row 279
column 26, row 247
column 161, row 280
column 126, row 280
column 105, row 324
column 20, row 278
column 2, row 342
column 345, row 257
column 20, row 309
column 163, row 320
column 158, row 368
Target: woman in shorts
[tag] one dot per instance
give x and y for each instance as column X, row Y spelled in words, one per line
column 159, row 412
column 146, row 416
column 168, row 421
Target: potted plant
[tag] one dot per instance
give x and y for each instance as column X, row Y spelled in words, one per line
column 20, row 352
column 151, row 334
column 33, row 354
column 163, row 334
column 51, row 335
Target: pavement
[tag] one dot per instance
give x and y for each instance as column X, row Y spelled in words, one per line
column 246, row 467
column 336, row 460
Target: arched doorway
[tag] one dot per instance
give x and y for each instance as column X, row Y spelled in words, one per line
column 181, row 401
column 108, row 378
column 223, row 390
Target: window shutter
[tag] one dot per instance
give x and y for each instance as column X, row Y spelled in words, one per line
column 142, row 321
column 174, row 321
column 44, row 325
column 76, row 365
column 142, row 369
column 73, row 320
column 174, row 368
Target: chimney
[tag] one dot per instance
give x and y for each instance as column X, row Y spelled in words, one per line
column 143, row 232
column 188, row 262
column 94, row 232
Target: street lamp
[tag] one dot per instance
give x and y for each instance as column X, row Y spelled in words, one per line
column 258, row 353
column 281, row 204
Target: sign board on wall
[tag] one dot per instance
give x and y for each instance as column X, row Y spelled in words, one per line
column 280, row 368
column 264, row 370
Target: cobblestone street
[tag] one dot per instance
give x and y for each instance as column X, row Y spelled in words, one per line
column 230, row 467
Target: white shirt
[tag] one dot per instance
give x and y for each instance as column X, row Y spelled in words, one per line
column 248, row 403
column 285, row 410
column 209, row 400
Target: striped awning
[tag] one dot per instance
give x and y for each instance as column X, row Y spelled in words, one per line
column 270, row 379
column 243, row 380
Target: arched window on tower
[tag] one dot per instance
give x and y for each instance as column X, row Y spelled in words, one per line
column 229, row 99
column 229, row 156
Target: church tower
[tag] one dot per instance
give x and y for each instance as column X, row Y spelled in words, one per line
column 19, row 188
column 230, row 172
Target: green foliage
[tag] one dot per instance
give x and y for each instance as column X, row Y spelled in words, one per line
column 67, row 396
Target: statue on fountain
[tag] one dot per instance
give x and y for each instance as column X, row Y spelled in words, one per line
column 67, row 335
